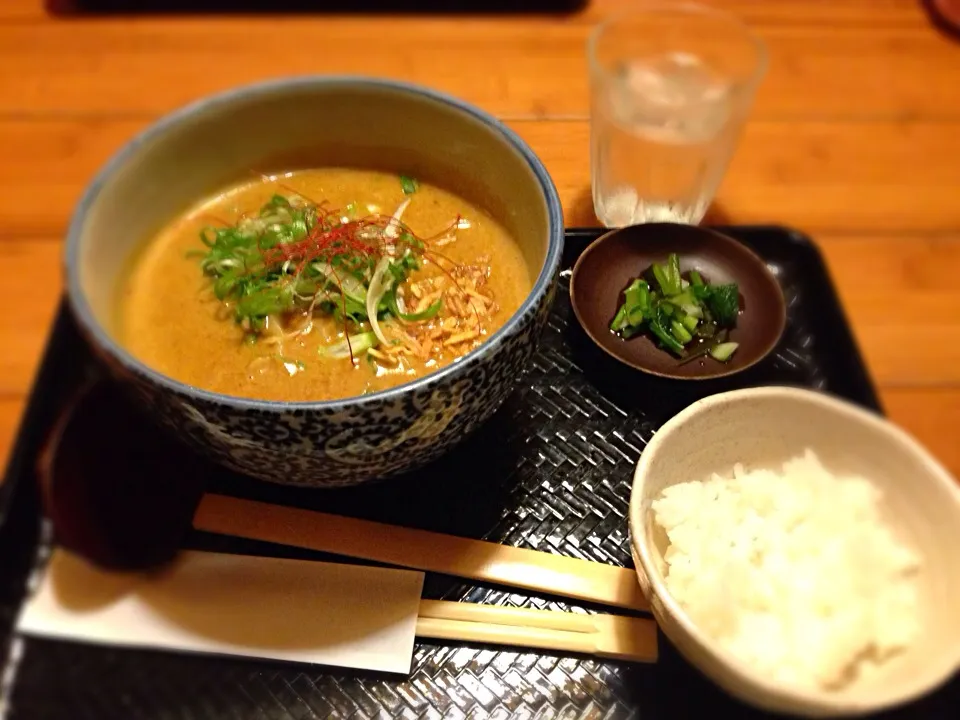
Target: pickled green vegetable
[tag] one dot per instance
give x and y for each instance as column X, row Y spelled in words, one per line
column 683, row 313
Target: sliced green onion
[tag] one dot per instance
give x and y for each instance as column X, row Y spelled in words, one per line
column 694, row 311
column 638, row 302
column 269, row 301
column 666, row 338
column 619, row 321
column 673, row 273
column 683, row 298
column 636, row 307
column 680, row 332
column 662, row 276
column 634, row 292
column 342, row 281
column 676, row 310
column 723, row 351
column 690, row 323
column 394, row 307
column 409, row 185
column 636, row 316
column 359, row 344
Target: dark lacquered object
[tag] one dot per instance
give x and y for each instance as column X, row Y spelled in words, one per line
column 945, row 15
column 117, row 491
column 608, row 266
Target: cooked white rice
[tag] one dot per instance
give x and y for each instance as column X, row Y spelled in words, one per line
column 793, row 572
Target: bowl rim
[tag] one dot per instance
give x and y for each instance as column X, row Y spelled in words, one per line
column 810, row 702
column 77, row 300
column 719, row 236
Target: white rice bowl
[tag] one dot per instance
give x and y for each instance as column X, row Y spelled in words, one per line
column 760, row 430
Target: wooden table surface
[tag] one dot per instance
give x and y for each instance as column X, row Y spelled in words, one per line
column 855, row 139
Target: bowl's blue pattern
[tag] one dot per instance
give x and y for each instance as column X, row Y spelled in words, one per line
column 349, row 441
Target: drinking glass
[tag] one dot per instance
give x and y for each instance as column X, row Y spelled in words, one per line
column 671, row 86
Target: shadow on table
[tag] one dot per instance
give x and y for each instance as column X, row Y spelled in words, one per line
column 580, row 213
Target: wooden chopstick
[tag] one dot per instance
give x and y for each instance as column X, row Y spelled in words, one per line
column 500, row 615
column 608, row 636
column 422, row 550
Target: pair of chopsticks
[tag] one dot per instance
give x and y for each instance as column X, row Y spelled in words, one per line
column 616, row 637
column 480, row 560
column 601, row 635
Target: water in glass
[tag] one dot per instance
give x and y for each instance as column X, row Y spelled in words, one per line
column 661, row 140
column 671, row 84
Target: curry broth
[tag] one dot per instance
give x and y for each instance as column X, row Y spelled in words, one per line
column 170, row 318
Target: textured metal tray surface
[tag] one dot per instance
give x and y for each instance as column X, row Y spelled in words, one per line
column 550, row 471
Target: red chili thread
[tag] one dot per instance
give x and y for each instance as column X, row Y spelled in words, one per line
column 330, row 237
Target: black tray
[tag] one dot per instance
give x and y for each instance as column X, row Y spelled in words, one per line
column 558, row 480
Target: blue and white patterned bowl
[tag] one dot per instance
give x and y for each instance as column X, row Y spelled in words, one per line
column 312, row 121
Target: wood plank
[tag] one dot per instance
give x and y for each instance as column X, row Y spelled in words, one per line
column 820, row 176
column 31, row 291
column 899, row 293
column 901, row 14
column 21, row 10
column 902, row 300
column 843, row 63
column 856, row 176
column 932, row 416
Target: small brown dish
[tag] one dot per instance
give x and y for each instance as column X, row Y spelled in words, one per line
column 614, row 259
